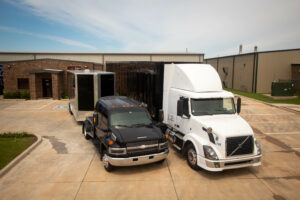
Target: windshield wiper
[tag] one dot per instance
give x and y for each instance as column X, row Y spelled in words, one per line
column 142, row 124
column 121, row 125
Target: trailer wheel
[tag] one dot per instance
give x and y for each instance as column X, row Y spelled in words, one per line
column 191, row 156
column 107, row 166
column 84, row 128
column 70, row 111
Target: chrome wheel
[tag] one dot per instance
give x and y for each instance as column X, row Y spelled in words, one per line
column 192, row 156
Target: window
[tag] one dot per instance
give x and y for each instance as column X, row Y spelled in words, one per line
column 23, row 83
column 213, row 106
column 186, row 107
column 103, row 122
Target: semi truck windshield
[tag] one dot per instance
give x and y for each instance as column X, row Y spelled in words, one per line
column 214, row 106
column 130, row 118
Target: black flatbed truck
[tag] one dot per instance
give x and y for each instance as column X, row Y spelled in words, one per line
column 125, row 133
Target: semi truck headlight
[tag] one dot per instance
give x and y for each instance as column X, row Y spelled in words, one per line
column 117, row 151
column 210, row 153
column 258, row 147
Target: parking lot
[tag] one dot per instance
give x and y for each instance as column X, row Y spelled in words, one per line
column 66, row 166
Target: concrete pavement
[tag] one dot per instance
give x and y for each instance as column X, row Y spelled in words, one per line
column 66, row 166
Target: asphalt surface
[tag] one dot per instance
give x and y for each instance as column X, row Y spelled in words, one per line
column 66, row 166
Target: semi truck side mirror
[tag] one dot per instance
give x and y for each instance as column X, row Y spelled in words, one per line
column 239, row 103
column 160, row 115
column 180, row 107
column 95, row 119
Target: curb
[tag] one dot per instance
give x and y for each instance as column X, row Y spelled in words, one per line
column 20, row 157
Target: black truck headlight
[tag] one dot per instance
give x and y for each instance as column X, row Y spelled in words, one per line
column 258, row 147
column 117, row 151
column 210, row 153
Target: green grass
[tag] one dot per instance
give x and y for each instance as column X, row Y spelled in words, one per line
column 260, row 97
column 12, row 144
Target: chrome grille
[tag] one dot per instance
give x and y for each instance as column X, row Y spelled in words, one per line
column 134, row 144
column 239, row 145
column 142, row 148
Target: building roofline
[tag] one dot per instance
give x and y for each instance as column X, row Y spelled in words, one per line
column 38, row 59
column 245, row 54
column 100, row 53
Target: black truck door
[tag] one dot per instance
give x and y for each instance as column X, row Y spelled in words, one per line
column 102, row 127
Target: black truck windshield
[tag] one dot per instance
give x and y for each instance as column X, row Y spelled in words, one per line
column 214, row 106
column 130, row 118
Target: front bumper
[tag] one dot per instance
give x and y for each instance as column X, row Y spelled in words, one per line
column 138, row 160
column 220, row 165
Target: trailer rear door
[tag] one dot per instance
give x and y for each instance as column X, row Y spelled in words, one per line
column 107, row 85
column 85, row 84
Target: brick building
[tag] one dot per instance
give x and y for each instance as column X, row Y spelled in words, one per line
column 44, row 74
column 44, row 78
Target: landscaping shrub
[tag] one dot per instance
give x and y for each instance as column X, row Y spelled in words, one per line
column 16, row 95
column 64, row 95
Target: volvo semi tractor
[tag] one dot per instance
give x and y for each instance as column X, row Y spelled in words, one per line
column 201, row 119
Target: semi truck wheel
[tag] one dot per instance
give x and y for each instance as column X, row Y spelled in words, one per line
column 84, row 127
column 191, row 155
column 107, row 166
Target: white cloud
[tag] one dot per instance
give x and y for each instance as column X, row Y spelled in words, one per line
column 213, row 27
column 49, row 37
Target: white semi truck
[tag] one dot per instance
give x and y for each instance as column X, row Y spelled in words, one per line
column 202, row 120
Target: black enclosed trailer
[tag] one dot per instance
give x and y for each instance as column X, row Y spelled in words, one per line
column 85, row 87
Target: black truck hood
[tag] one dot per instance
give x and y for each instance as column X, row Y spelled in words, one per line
column 137, row 134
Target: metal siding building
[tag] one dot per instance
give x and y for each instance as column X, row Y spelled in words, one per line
column 254, row 72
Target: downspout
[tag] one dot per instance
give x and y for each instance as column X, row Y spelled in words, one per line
column 233, row 62
column 254, row 59
column 256, row 72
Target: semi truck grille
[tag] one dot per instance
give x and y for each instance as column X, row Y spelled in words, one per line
column 239, row 145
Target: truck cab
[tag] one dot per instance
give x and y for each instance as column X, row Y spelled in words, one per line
column 125, row 133
column 204, row 122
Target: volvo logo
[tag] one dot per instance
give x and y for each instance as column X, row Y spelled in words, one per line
column 239, row 146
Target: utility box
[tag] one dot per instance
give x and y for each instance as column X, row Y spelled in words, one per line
column 283, row 88
column 85, row 87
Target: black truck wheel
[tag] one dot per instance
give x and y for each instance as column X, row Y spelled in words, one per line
column 191, row 156
column 107, row 166
column 85, row 130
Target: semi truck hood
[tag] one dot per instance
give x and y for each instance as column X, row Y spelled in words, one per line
column 225, row 125
column 137, row 134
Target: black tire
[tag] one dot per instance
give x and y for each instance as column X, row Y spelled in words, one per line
column 84, row 131
column 191, row 157
column 107, row 166
column 70, row 111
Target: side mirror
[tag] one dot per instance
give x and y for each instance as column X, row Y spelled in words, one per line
column 160, row 115
column 180, row 107
column 238, row 106
column 95, row 119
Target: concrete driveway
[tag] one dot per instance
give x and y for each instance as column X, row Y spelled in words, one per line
column 66, row 166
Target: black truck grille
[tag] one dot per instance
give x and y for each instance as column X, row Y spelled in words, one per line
column 134, row 144
column 142, row 148
column 239, row 145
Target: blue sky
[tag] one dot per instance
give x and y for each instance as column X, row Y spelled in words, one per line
column 215, row 27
